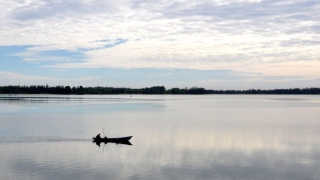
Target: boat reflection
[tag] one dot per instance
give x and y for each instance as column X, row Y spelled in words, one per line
column 105, row 142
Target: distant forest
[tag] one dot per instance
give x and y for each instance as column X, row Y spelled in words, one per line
column 148, row 90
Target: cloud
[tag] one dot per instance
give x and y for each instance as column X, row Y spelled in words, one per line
column 190, row 54
column 11, row 78
column 259, row 82
column 45, row 9
column 257, row 36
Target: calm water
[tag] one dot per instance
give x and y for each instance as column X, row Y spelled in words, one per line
column 174, row 137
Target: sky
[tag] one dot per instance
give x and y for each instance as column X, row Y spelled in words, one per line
column 215, row 44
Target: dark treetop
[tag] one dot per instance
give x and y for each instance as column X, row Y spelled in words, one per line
column 40, row 89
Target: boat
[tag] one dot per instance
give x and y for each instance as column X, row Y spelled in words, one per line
column 120, row 140
column 105, row 139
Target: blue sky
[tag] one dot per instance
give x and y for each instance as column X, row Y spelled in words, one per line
column 230, row 44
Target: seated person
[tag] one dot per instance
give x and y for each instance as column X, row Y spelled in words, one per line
column 98, row 136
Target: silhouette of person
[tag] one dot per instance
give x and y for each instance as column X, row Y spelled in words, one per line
column 98, row 136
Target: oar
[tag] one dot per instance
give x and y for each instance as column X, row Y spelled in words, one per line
column 103, row 132
column 103, row 148
column 104, row 143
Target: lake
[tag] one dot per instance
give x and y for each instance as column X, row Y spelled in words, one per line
column 174, row 137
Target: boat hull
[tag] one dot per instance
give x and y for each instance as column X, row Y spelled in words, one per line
column 121, row 140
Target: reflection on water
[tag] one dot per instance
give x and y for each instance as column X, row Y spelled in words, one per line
column 175, row 137
column 120, row 142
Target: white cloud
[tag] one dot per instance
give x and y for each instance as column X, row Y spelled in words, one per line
column 189, row 54
column 20, row 79
column 267, row 37
column 242, row 81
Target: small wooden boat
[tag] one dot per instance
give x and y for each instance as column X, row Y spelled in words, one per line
column 105, row 139
column 121, row 140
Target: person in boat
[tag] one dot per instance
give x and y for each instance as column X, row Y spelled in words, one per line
column 98, row 136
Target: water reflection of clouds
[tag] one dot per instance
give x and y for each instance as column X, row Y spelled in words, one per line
column 244, row 143
column 65, row 161
column 13, row 107
column 54, row 107
column 188, row 138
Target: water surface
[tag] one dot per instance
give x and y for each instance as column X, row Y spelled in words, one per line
column 174, row 137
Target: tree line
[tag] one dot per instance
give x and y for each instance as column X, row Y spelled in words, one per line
column 78, row 90
column 40, row 89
